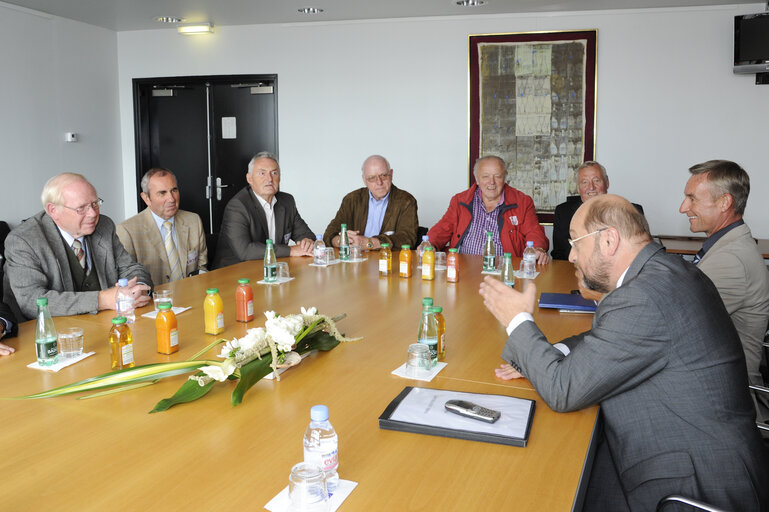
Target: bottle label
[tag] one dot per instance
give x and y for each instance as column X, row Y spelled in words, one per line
column 344, row 252
column 270, row 273
column 174, row 337
column 427, row 271
column 404, row 268
column 46, row 348
column 220, row 320
column 383, row 266
column 489, row 263
column 250, row 308
column 127, row 354
column 451, row 273
column 432, row 345
column 327, row 456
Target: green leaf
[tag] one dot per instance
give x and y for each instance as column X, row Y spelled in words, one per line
column 321, row 340
column 250, row 373
column 191, row 390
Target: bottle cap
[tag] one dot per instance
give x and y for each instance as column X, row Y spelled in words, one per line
column 427, row 301
column 318, row 237
column 529, row 244
column 122, row 282
column 406, row 247
column 243, row 281
column 437, row 309
column 212, row 290
column 385, row 245
column 164, row 305
column 489, row 233
column 269, row 241
column 453, row 249
column 120, row 319
column 508, row 256
column 42, row 301
column 429, row 249
column 344, row 226
column 425, row 238
column 319, row 413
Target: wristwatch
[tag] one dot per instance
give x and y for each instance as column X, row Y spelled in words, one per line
column 369, row 244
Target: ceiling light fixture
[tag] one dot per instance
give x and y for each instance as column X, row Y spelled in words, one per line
column 195, row 29
column 471, row 3
column 169, row 19
column 310, row 10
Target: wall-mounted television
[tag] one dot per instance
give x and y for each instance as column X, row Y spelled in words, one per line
column 751, row 43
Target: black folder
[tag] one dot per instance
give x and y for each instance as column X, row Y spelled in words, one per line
column 460, row 427
column 566, row 301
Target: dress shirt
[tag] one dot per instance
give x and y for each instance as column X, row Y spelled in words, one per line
column 715, row 237
column 483, row 221
column 71, row 239
column 269, row 212
column 159, row 221
column 376, row 212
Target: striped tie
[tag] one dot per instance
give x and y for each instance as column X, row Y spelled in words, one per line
column 77, row 248
column 173, row 256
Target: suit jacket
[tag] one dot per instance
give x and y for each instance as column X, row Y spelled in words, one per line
column 244, row 228
column 738, row 270
column 7, row 314
column 400, row 218
column 37, row 266
column 561, row 221
column 141, row 238
column 665, row 364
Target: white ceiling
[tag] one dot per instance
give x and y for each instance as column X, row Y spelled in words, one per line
column 122, row 15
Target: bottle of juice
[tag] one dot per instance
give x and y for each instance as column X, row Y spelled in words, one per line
column 441, row 321
column 213, row 311
column 428, row 264
column 452, row 265
column 165, row 329
column 121, row 344
column 405, row 261
column 385, row 260
column 244, row 301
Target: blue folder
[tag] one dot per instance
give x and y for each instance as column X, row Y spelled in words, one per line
column 566, row 302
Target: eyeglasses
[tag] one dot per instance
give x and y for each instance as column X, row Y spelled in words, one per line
column 378, row 177
column 81, row 210
column 572, row 242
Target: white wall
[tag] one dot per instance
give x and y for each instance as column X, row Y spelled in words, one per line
column 667, row 99
column 58, row 75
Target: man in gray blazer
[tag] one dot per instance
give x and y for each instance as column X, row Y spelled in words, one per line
column 259, row 212
column 663, row 361
column 70, row 254
column 715, row 199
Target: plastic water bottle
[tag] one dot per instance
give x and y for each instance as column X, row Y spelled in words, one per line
column 321, row 446
column 270, row 263
column 529, row 262
column 421, row 249
column 124, row 301
column 45, row 335
column 428, row 329
column 319, row 251
column 508, row 275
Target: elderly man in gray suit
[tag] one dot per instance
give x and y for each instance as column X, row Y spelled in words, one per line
column 663, row 361
column 70, row 254
column 715, row 199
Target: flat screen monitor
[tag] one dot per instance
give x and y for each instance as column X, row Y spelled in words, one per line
column 751, row 43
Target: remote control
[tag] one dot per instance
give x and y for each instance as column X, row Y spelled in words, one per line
column 471, row 410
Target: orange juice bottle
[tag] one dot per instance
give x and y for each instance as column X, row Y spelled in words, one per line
column 441, row 321
column 428, row 264
column 405, row 261
column 121, row 344
column 165, row 329
column 385, row 260
column 244, row 301
column 452, row 265
column 213, row 311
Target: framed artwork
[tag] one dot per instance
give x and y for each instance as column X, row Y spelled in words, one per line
column 532, row 103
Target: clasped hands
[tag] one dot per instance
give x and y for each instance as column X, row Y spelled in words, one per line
column 139, row 292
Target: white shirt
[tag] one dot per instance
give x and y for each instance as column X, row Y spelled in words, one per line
column 71, row 239
column 269, row 212
column 159, row 221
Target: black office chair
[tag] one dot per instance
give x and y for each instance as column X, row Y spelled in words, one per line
column 699, row 505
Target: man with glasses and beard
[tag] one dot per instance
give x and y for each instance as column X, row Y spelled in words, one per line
column 662, row 359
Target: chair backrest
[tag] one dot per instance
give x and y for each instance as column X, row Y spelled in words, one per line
column 699, row 505
column 4, row 230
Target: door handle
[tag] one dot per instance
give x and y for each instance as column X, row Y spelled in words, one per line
column 208, row 188
column 219, row 188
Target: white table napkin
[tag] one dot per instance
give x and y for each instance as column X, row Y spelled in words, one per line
column 63, row 363
column 428, row 376
column 280, row 502
column 175, row 309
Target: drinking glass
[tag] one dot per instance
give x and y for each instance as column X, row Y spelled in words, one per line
column 330, row 255
column 307, row 488
column 283, row 270
column 356, row 252
column 159, row 296
column 440, row 261
column 418, row 363
column 70, row 342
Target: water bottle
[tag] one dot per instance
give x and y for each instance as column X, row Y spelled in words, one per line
column 270, row 263
column 124, row 301
column 321, row 446
column 319, row 251
column 428, row 329
column 344, row 244
column 529, row 263
column 45, row 335
column 421, row 249
column 489, row 256
column 508, row 275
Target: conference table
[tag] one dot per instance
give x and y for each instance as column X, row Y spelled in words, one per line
column 108, row 453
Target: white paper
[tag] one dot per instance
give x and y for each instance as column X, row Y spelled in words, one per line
column 356, row 260
column 425, row 406
column 280, row 502
column 229, row 128
column 519, row 274
column 176, row 309
column 492, row 272
column 332, row 262
column 427, row 376
column 279, row 280
column 63, row 363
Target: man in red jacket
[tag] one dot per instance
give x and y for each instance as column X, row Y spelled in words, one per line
column 491, row 205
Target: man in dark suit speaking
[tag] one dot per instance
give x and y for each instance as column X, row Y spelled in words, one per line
column 662, row 359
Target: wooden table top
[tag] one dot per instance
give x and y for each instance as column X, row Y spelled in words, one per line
column 692, row 244
column 108, row 453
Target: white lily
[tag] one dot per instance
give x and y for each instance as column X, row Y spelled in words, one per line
column 221, row 371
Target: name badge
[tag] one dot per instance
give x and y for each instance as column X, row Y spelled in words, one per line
column 286, row 238
column 514, row 220
column 192, row 257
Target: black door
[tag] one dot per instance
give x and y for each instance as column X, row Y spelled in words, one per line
column 205, row 130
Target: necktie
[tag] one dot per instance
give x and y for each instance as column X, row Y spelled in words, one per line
column 173, row 256
column 77, row 248
column 698, row 256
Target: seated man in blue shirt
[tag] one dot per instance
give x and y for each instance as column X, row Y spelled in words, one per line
column 379, row 213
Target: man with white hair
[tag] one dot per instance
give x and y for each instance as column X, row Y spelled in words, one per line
column 70, row 254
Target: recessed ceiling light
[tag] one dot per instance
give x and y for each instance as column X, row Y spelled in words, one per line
column 195, row 29
column 310, row 10
column 169, row 19
column 471, row 3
